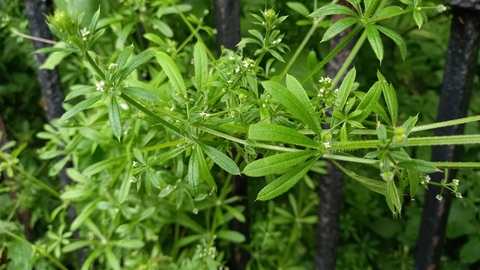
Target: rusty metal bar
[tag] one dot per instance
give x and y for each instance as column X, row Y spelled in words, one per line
column 460, row 67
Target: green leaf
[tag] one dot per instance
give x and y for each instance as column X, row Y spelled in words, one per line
column 276, row 133
column 369, row 101
column 231, row 236
column 93, row 23
column 393, row 198
column 111, row 259
column 76, row 245
column 201, row 66
column 141, row 94
column 221, row 159
column 237, row 214
column 155, row 39
column 76, row 194
column 55, row 169
column 332, row 9
column 396, row 38
column 299, row 7
column 418, row 17
column 390, row 98
column 81, row 106
column 375, row 185
column 204, row 170
column 344, row 133
column 276, row 55
column 413, row 180
column 162, row 27
column 294, row 86
column 54, row 59
column 172, row 72
column 101, row 165
column 54, row 49
column 124, row 187
column 77, row 176
column 150, row 180
column 114, row 117
column 375, row 41
column 387, row 13
column 297, row 108
column 84, row 214
column 469, row 252
column 338, row 27
column 135, row 63
column 276, row 163
column 123, row 56
column 193, row 173
column 345, row 89
column 382, row 134
column 128, row 243
column 410, row 124
column 285, row 182
column 418, row 165
column 79, row 91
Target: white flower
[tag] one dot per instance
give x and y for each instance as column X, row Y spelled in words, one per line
column 459, row 195
column 427, row 178
column 84, row 32
column 100, row 85
column 134, row 164
column 231, row 58
column 327, row 144
column 439, row 197
column 237, row 69
column 112, row 66
column 455, row 182
column 195, row 211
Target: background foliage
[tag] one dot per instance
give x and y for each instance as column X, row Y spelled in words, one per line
column 166, row 228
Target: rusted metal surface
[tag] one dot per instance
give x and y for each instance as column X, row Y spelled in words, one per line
column 331, row 185
column 227, row 23
column 460, row 66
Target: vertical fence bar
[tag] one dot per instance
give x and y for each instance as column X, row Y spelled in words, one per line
column 330, row 191
column 50, row 86
column 460, row 66
column 227, row 23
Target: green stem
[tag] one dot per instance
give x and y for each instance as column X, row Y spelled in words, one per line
column 327, row 58
column 151, row 114
column 350, row 159
column 95, row 66
column 457, row 165
column 185, row 42
column 305, row 40
column 31, row 177
column 447, row 123
column 350, row 58
column 34, row 247
column 192, row 30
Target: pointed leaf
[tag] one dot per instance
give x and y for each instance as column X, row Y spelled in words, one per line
column 332, row 9
column 276, row 133
column 201, row 66
column 297, row 108
column 294, row 86
column 375, row 41
column 387, row 13
column 396, row 38
column 193, row 173
column 338, row 27
column 135, row 63
column 375, row 185
column 141, row 93
column 393, row 197
column 204, row 170
column 79, row 91
column 276, row 163
column 81, row 106
column 285, row 182
column 123, row 56
column 231, row 236
column 369, row 101
column 345, row 88
column 84, row 214
column 390, row 98
column 413, row 180
column 221, row 159
column 418, row 165
column 114, row 116
column 111, row 259
column 299, row 7
column 172, row 72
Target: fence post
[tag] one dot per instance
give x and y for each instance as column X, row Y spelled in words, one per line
column 227, row 23
column 330, row 191
column 50, row 86
column 460, row 66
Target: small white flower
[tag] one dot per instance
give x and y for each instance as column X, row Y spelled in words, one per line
column 229, row 81
column 192, row 61
column 439, row 197
column 455, row 182
column 279, row 40
column 459, row 195
column 264, row 105
column 327, row 144
column 427, row 178
column 207, row 115
column 100, row 86
column 231, row 58
column 322, row 90
column 124, row 106
column 84, row 32
column 441, row 8
column 195, row 211
column 134, row 164
column 112, row 66
column 245, row 63
column 237, row 70
column 205, row 12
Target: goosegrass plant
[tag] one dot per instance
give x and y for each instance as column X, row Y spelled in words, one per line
column 152, row 159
